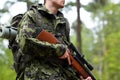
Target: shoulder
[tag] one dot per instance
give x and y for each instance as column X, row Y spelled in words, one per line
column 33, row 11
column 36, row 11
column 30, row 15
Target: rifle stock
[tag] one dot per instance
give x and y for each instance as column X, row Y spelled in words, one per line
column 76, row 64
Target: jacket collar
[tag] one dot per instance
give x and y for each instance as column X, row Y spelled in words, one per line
column 47, row 12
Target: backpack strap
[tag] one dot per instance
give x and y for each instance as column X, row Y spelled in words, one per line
column 16, row 19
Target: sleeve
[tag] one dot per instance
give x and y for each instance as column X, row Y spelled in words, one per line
column 30, row 45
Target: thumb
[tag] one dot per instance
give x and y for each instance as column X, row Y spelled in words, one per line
column 66, row 55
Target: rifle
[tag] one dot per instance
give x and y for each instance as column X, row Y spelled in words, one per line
column 77, row 61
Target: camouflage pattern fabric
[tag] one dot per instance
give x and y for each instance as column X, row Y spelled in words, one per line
column 43, row 61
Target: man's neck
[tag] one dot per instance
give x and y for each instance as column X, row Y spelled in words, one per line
column 51, row 8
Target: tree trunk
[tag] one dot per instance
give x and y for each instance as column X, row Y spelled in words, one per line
column 78, row 27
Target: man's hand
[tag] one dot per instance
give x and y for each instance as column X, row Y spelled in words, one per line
column 88, row 78
column 66, row 56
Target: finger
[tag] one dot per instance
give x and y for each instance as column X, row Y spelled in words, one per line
column 89, row 78
column 69, row 61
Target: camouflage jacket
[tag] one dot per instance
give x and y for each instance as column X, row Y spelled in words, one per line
column 41, row 58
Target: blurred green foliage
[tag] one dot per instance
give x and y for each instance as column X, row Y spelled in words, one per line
column 6, row 61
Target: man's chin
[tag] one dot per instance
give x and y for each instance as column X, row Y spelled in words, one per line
column 61, row 6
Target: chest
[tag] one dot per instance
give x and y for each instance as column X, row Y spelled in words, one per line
column 52, row 24
column 55, row 25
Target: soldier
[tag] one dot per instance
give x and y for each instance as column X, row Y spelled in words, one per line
column 39, row 60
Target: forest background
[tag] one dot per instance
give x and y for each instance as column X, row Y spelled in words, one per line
column 95, row 30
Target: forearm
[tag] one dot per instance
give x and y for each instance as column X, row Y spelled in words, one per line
column 33, row 46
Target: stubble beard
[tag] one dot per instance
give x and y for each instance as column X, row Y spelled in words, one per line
column 59, row 5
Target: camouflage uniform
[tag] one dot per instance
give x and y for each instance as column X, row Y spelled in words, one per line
column 40, row 60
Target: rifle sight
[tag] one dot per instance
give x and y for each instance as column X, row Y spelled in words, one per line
column 8, row 32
